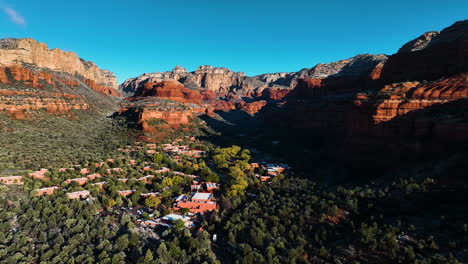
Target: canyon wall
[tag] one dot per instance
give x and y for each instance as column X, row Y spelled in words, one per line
column 18, row 104
column 32, row 78
column 14, row 52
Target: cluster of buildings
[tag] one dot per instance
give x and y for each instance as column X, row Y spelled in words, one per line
column 200, row 200
column 196, row 202
column 167, row 221
column 272, row 170
column 151, row 148
column 182, row 150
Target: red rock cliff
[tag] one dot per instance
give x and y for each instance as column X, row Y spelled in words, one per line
column 28, row 51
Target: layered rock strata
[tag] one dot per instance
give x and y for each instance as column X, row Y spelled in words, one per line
column 19, row 52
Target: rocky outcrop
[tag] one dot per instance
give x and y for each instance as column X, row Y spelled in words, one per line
column 151, row 114
column 102, row 89
column 419, row 43
column 444, row 55
column 275, row 94
column 174, row 91
column 253, row 107
column 18, row 104
column 429, row 39
column 39, row 79
column 36, row 79
column 215, row 79
column 19, row 52
column 409, row 121
column 402, row 98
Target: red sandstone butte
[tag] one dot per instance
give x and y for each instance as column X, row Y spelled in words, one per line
column 174, row 91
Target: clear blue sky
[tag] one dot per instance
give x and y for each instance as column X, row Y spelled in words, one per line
column 255, row 36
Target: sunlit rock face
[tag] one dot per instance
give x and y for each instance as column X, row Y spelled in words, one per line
column 14, row 52
column 223, row 80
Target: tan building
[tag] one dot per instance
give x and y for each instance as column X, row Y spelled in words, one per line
column 12, row 180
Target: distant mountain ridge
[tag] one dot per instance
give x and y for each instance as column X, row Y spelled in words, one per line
column 220, row 79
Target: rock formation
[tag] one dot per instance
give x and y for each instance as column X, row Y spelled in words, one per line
column 32, row 77
column 173, row 90
column 419, row 43
column 444, row 55
column 18, row 103
column 15, row 52
column 215, row 79
column 223, row 80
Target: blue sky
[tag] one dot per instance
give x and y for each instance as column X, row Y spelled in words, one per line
column 256, row 36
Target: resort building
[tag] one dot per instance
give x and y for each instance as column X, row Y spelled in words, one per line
column 196, row 202
column 40, row 174
column 80, row 181
column 78, row 195
column 12, row 180
column 46, row 191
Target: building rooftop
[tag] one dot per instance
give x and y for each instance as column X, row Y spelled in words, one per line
column 201, row 196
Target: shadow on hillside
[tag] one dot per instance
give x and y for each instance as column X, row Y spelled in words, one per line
column 303, row 135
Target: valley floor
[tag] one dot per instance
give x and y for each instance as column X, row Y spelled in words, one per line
column 99, row 192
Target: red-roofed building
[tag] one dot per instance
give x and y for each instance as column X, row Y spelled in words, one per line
column 46, row 191
column 263, row 178
column 100, row 184
column 109, row 171
column 211, row 186
column 65, row 169
column 126, row 192
column 78, row 195
column 163, row 170
column 40, row 174
column 254, row 165
column 93, row 176
column 196, row 202
column 150, row 194
column 151, row 146
column 196, row 187
column 12, row 180
column 84, row 171
column 146, row 179
column 80, row 181
column 99, row 164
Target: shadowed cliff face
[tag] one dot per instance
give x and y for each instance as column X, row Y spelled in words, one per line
column 443, row 55
column 409, row 108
